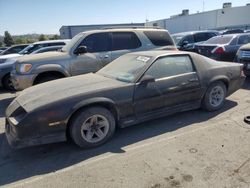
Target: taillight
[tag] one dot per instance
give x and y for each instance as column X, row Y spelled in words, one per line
column 219, row 50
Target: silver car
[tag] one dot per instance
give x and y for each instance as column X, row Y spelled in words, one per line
column 87, row 52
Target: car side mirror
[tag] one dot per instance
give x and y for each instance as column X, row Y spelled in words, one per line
column 147, row 79
column 81, row 50
column 184, row 43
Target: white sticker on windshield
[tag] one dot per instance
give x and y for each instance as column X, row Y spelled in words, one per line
column 143, row 58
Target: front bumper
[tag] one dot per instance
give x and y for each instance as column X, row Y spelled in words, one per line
column 11, row 132
column 21, row 82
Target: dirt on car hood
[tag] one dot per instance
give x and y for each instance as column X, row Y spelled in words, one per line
column 46, row 56
column 54, row 91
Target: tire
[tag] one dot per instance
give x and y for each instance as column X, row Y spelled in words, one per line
column 46, row 79
column 215, row 95
column 247, row 119
column 85, row 129
column 7, row 84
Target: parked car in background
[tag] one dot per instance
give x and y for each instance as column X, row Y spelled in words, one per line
column 243, row 56
column 33, row 47
column 14, row 49
column 47, row 49
column 224, row 47
column 186, row 41
column 2, row 49
column 7, row 66
column 231, row 31
column 87, row 52
column 134, row 88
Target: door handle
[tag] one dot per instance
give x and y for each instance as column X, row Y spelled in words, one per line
column 104, row 56
column 193, row 80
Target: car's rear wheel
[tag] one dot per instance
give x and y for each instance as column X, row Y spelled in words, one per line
column 215, row 96
column 7, row 84
column 92, row 127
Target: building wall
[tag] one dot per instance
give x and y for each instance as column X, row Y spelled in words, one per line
column 235, row 17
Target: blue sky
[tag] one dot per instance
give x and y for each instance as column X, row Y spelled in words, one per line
column 47, row 16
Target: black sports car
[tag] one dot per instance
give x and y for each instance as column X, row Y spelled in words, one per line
column 134, row 88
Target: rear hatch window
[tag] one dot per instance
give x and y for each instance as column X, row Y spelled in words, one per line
column 219, row 40
column 159, row 38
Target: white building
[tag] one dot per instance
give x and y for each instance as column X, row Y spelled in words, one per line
column 226, row 18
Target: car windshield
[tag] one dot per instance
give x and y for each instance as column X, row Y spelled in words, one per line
column 126, row 68
column 31, row 48
column 72, row 43
column 219, row 40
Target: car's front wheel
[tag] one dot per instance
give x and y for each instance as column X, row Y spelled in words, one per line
column 215, row 96
column 92, row 127
column 7, row 84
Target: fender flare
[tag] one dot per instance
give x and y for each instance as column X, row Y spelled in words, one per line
column 102, row 101
column 51, row 68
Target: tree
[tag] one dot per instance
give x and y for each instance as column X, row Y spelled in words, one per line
column 1, row 43
column 8, row 40
column 42, row 37
column 55, row 37
column 20, row 40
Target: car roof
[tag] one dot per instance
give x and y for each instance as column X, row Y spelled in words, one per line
column 16, row 45
column 51, row 41
column 246, row 46
column 123, row 29
column 236, row 34
column 157, row 53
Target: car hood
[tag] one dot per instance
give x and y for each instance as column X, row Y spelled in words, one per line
column 7, row 64
column 58, row 90
column 9, row 56
column 46, row 56
column 245, row 47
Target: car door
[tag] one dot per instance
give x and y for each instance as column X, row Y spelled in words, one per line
column 98, row 54
column 124, row 42
column 175, row 85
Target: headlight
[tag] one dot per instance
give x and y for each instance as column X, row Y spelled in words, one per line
column 23, row 68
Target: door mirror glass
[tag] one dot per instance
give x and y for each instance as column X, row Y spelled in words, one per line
column 147, row 79
column 81, row 50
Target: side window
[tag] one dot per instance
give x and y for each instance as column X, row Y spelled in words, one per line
column 199, row 37
column 98, row 42
column 15, row 49
column 125, row 40
column 244, row 39
column 170, row 66
column 56, row 44
column 189, row 39
column 210, row 35
column 159, row 38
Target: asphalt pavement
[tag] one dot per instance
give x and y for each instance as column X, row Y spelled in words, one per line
column 190, row 149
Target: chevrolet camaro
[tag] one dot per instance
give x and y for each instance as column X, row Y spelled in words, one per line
column 134, row 88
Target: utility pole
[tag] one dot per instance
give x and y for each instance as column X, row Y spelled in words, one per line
column 203, row 5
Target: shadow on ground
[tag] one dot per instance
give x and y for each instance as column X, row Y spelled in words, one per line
column 5, row 102
column 18, row 165
column 246, row 84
